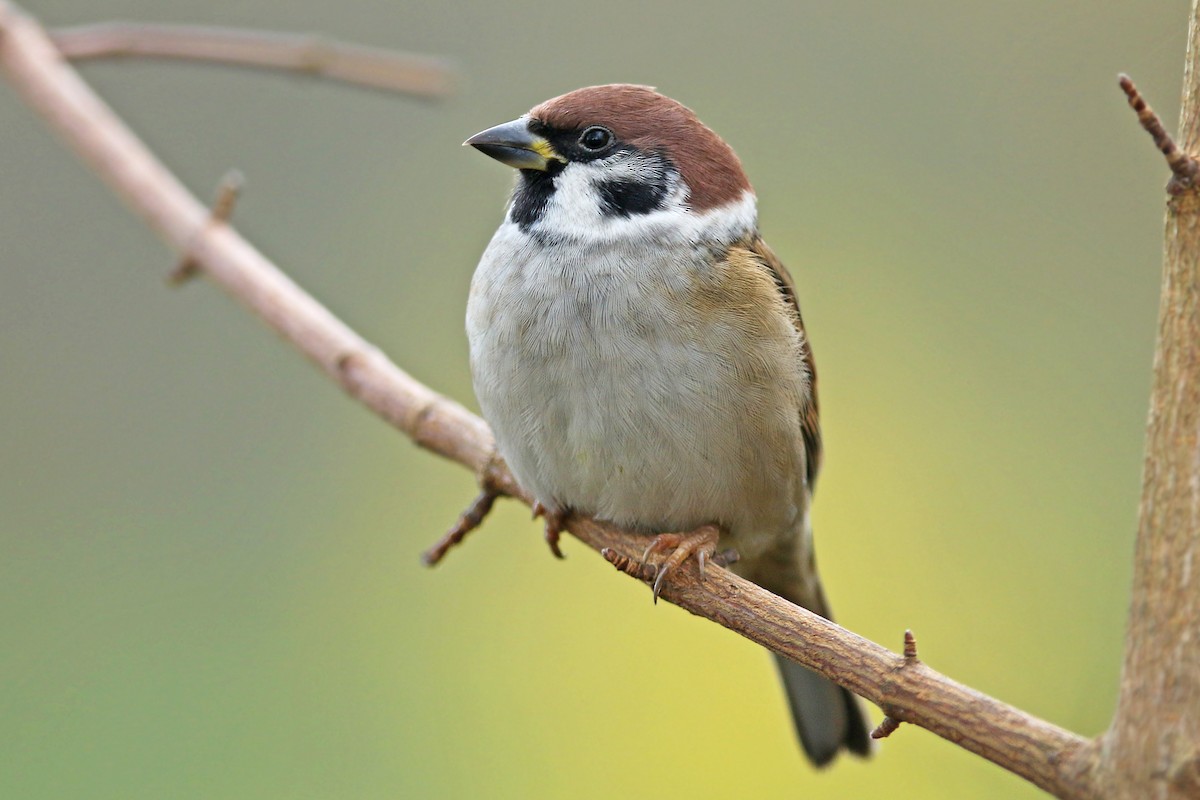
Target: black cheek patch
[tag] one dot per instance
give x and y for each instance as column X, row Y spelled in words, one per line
column 624, row 198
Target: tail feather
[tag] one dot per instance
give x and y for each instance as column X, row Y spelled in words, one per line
column 827, row 717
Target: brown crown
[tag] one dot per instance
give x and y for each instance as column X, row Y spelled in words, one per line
column 648, row 120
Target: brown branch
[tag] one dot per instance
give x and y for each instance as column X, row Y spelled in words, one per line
column 905, row 688
column 317, row 56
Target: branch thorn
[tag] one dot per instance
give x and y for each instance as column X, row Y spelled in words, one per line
column 630, row 566
column 910, row 647
column 1184, row 168
column 222, row 210
column 885, row 728
column 889, row 724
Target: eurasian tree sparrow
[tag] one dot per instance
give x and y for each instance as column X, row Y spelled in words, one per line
column 638, row 350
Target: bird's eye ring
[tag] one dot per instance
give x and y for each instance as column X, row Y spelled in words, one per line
column 595, row 138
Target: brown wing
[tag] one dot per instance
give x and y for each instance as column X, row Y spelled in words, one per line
column 810, row 420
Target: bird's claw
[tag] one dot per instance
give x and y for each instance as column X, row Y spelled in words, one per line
column 678, row 547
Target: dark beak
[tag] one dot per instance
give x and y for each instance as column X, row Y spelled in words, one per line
column 514, row 144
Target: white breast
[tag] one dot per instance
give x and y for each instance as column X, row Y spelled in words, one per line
column 610, row 393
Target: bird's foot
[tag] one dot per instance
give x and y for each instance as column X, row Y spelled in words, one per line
column 555, row 522
column 677, row 548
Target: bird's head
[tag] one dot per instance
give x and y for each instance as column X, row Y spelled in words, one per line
column 606, row 162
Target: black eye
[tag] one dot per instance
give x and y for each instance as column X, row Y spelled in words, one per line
column 595, row 138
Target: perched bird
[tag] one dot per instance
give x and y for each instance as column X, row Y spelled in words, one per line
column 639, row 352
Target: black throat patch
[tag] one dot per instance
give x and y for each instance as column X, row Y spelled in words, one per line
column 531, row 196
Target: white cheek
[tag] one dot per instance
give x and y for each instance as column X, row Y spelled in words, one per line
column 574, row 210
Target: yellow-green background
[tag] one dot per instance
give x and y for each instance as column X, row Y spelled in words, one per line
column 209, row 584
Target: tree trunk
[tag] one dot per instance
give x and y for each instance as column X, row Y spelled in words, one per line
column 1152, row 749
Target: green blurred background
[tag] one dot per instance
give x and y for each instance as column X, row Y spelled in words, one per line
column 209, row 577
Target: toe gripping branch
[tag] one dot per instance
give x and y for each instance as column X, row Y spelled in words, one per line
column 556, row 523
column 674, row 549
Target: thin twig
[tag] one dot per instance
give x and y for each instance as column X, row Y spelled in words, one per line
column 318, row 56
column 490, row 489
column 1027, row 746
column 1184, row 168
column 468, row 521
column 36, row 70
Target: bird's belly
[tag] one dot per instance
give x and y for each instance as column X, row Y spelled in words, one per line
column 606, row 401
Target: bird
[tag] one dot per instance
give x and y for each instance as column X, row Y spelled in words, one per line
column 639, row 353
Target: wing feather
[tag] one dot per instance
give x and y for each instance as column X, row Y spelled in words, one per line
column 810, row 418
